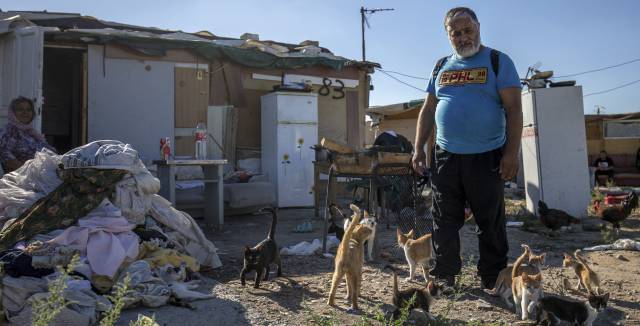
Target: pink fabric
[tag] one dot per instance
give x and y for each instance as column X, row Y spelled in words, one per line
column 28, row 128
column 106, row 241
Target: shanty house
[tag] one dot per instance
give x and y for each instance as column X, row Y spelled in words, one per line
column 92, row 79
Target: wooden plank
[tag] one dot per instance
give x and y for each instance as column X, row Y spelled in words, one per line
column 114, row 51
column 233, row 78
column 191, row 96
column 353, row 119
column 336, row 146
column 218, row 91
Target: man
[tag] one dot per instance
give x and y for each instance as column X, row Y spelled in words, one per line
column 474, row 100
column 604, row 167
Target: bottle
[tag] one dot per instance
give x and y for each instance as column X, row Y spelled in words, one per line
column 201, row 141
column 166, row 149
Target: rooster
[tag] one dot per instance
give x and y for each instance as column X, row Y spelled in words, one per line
column 615, row 214
column 554, row 219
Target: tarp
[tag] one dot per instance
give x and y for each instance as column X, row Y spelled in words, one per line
column 154, row 44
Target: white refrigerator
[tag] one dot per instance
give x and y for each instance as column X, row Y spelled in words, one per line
column 289, row 129
column 554, row 149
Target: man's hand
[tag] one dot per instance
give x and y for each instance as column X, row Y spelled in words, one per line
column 509, row 166
column 419, row 161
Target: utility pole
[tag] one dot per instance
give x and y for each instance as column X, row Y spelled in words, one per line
column 363, row 20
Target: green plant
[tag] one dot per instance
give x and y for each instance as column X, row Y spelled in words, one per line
column 45, row 310
column 112, row 315
column 144, row 321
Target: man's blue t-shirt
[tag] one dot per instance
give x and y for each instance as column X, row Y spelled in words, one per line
column 469, row 116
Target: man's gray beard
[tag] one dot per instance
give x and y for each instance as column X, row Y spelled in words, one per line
column 468, row 51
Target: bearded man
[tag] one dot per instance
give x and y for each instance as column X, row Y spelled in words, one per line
column 474, row 100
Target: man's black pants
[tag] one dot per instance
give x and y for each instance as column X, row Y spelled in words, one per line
column 472, row 178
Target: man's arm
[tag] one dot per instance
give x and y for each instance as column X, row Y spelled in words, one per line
column 512, row 104
column 424, row 129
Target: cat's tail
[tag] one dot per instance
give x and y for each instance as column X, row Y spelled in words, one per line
column 274, row 215
column 395, row 280
column 578, row 255
column 337, row 209
column 516, row 266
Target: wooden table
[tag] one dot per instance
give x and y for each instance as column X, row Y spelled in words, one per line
column 213, row 186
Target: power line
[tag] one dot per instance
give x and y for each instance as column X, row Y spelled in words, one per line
column 401, row 81
column 405, row 75
column 613, row 89
column 599, row 69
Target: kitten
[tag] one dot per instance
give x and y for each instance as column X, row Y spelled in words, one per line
column 371, row 222
column 587, row 278
column 423, row 296
column 553, row 309
column 333, row 227
column 418, row 252
column 502, row 287
column 262, row 255
column 526, row 288
column 350, row 258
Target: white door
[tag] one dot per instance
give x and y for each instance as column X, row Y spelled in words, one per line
column 21, row 53
column 295, row 164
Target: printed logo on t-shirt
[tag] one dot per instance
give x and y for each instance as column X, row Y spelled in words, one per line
column 461, row 77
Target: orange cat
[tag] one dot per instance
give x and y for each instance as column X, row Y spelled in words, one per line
column 418, row 252
column 502, row 287
column 350, row 258
column 526, row 288
column 587, row 278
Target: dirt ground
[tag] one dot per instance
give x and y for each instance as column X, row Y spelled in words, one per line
column 299, row 297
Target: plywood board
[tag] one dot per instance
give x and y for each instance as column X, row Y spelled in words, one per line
column 191, row 96
column 249, row 127
column 353, row 119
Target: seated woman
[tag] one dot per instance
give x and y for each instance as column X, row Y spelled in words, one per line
column 20, row 141
column 604, row 166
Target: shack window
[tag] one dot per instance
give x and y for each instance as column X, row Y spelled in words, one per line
column 622, row 129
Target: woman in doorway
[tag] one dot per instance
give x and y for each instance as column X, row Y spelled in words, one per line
column 19, row 141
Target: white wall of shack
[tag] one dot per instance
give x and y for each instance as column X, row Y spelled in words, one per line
column 131, row 101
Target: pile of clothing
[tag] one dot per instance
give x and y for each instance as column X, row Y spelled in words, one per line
column 97, row 202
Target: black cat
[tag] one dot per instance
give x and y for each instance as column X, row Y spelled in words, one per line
column 423, row 296
column 552, row 309
column 262, row 255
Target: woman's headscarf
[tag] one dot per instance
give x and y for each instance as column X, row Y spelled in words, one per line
column 13, row 120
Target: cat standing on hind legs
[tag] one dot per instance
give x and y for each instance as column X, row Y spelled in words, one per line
column 262, row 255
column 349, row 259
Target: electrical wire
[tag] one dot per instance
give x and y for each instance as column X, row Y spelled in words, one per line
column 405, row 75
column 613, row 89
column 401, row 81
column 599, row 69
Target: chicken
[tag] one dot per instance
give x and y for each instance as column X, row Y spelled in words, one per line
column 615, row 214
column 554, row 219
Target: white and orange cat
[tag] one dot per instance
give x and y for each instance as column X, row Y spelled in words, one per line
column 526, row 288
column 418, row 252
column 502, row 287
column 587, row 278
column 350, row 258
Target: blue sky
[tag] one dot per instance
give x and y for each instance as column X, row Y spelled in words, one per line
column 565, row 36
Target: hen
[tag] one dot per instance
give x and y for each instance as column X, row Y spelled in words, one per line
column 554, row 219
column 615, row 214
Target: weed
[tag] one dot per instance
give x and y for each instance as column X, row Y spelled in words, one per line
column 112, row 315
column 44, row 311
